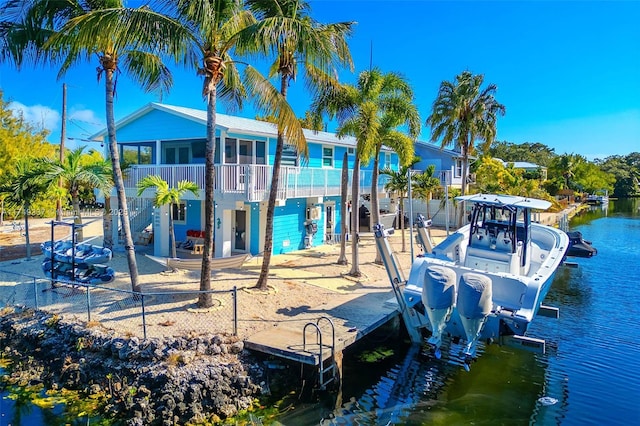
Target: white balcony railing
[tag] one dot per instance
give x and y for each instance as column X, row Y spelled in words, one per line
column 251, row 182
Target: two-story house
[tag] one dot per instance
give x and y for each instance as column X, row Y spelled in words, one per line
column 448, row 162
column 170, row 141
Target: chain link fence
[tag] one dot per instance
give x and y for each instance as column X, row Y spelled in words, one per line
column 127, row 313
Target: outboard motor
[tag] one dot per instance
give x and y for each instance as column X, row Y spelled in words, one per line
column 474, row 305
column 438, row 297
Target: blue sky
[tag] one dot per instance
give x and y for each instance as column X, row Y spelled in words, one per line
column 568, row 72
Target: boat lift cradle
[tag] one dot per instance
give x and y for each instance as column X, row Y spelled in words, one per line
column 413, row 311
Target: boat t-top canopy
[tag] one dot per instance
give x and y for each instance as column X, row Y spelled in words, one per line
column 506, row 200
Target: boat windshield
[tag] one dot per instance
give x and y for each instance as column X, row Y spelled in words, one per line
column 507, row 223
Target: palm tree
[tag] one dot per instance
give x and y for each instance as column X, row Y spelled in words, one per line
column 131, row 39
column 369, row 111
column 167, row 195
column 344, row 194
column 399, row 183
column 217, row 26
column 462, row 114
column 286, row 30
column 423, row 185
column 22, row 188
column 397, row 109
column 75, row 171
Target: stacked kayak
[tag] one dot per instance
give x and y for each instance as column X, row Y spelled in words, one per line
column 83, row 263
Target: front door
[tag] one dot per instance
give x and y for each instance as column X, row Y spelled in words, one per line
column 239, row 236
column 329, row 224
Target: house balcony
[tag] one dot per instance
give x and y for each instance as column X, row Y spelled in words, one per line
column 251, row 182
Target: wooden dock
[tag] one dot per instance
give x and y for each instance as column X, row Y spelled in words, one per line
column 352, row 320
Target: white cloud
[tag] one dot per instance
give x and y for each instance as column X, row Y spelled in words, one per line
column 83, row 122
column 85, row 116
column 39, row 116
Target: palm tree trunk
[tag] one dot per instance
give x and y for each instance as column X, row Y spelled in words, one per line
column 26, row 231
column 344, row 193
column 465, row 166
column 172, row 233
column 375, row 204
column 77, row 216
column 119, row 183
column 355, row 219
column 404, row 244
column 206, row 299
column 107, row 223
column 271, row 206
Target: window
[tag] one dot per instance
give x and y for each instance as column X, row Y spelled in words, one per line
column 216, row 159
column 198, row 152
column 327, row 156
column 387, row 160
column 230, row 151
column 129, row 154
column 245, row 152
column 289, row 155
column 179, row 212
column 458, row 168
column 261, row 149
column 136, row 154
column 146, row 155
column 177, row 155
column 351, row 151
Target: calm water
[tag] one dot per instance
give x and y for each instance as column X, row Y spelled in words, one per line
column 590, row 374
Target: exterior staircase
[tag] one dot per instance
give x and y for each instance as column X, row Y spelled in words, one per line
column 140, row 216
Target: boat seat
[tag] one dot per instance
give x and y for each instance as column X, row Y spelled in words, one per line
column 503, row 242
column 481, row 239
column 447, row 248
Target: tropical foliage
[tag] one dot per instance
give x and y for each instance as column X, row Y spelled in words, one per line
column 462, row 114
column 18, row 138
column 133, row 40
column 626, row 171
column 76, row 172
column 166, row 195
column 494, row 177
column 398, row 183
column 286, row 31
column 423, row 185
column 536, row 152
column 22, row 186
column 371, row 111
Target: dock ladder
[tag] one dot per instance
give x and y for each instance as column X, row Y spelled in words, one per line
column 322, row 371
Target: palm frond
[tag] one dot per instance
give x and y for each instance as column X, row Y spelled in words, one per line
column 268, row 98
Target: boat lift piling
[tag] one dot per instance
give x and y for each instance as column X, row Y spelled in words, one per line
column 398, row 281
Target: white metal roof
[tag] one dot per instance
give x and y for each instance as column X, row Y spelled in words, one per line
column 230, row 123
column 507, row 200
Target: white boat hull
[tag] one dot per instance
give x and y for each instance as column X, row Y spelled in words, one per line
column 515, row 299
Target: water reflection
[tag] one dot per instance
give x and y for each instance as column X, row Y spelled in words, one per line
column 503, row 387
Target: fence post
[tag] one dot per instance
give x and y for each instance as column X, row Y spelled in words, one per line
column 35, row 293
column 235, row 310
column 144, row 318
column 88, row 303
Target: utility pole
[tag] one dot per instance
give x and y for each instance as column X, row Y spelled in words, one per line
column 63, row 137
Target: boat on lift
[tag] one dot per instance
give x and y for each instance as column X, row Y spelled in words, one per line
column 579, row 247
column 485, row 282
column 598, row 198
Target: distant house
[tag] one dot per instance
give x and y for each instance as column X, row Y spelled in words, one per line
column 170, row 141
column 528, row 167
column 448, row 162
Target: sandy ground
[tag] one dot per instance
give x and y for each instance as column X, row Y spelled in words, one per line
column 300, row 283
